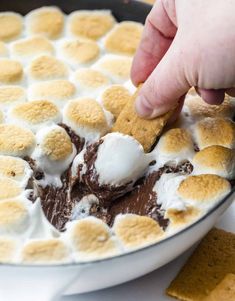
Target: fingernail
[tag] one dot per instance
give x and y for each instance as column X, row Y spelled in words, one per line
column 142, row 108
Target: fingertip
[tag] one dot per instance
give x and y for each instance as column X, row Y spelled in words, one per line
column 145, row 110
column 142, row 107
column 212, row 97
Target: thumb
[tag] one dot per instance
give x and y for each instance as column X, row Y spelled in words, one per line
column 165, row 86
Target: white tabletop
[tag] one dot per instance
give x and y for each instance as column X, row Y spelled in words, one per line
column 152, row 286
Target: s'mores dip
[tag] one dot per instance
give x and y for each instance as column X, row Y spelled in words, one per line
column 82, row 177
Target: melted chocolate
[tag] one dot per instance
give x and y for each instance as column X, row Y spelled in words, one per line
column 76, row 140
column 142, row 200
column 105, row 193
column 137, row 198
column 56, row 202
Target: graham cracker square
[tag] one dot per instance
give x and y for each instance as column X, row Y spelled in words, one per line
column 213, row 259
column 224, row 291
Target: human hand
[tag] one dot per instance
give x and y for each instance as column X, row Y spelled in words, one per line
column 185, row 43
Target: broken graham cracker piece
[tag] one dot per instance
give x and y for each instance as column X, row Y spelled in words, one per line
column 145, row 131
column 224, row 291
column 213, row 259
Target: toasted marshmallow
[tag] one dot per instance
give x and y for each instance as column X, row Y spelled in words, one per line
column 91, row 239
column 121, row 159
column 217, row 160
column 134, row 231
column 3, row 50
column 53, row 154
column 79, row 53
column 57, row 91
column 115, row 67
column 174, row 147
column 90, row 24
column 8, row 249
column 15, row 140
column 9, row 188
column 124, row 38
column 185, row 199
column 114, row 98
column 15, row 169
column 166, row 190
column 90, row 82
column 11, row 25
column 11, row 71
column 181, row 218
column 45, row 251
column 46, row 67
column 29, row 48
column 215, row 131
column 199, row 109
column 56, row 143
column 10, row 96
column 203, row 190
column 14, row 217
column 35, row 114
column 25, row 220
column 46, row 21
column 87, row 118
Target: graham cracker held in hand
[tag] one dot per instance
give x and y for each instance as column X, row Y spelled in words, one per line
column 224, row 291
column 146, row 131
column 213, row 259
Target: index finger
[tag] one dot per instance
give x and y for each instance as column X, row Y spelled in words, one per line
column 160, row 29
